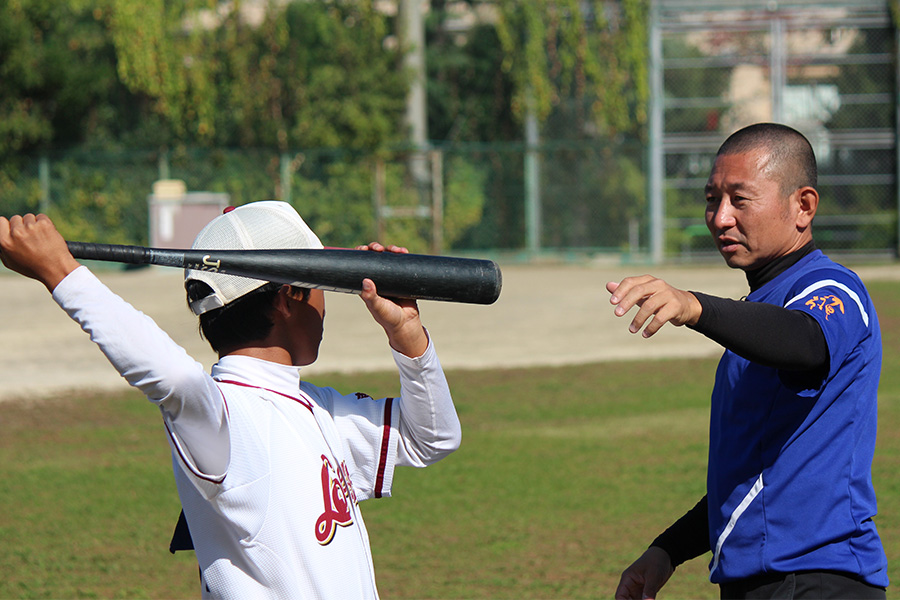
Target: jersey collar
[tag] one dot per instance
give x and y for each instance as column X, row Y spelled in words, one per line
column 763, row 275
column 284, row 379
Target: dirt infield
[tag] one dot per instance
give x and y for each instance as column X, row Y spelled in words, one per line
column 549, row 314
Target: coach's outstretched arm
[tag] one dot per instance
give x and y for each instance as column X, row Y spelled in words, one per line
column 31, row 246
column 771, row 335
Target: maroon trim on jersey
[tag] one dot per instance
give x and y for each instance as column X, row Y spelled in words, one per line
column 177, row 445
column 385, row 446
column 302, row 401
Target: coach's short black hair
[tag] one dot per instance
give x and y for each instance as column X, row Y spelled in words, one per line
column 239, row 322
column 792, row 161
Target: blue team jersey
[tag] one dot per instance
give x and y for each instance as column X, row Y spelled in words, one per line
column 789, row 481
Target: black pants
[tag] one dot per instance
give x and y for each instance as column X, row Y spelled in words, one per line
column 807, row 585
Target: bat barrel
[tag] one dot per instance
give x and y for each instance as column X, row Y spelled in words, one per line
column 417, row 276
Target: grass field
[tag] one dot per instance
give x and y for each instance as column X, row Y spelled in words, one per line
column 565, row 474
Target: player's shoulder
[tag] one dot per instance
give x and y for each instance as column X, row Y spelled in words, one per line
column 327, row 396
column 323, row 396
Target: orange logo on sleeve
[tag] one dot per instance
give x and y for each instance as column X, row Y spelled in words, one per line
column 829, row 304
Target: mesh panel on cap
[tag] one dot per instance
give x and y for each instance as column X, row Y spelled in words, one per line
column 265, row 225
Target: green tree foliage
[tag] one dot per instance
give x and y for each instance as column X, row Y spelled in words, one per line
column 161, row 50
column 583, row 64
column 349, row 88
column 192, row 74
column 556, row 49
column 58, row 89
column 334, row 194
column 469, row 93
column 469, row 97
column 465, row 197
column 301, row 74
column 57, row 68
column 287, row 79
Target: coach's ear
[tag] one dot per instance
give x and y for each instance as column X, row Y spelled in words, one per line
column 807, row 204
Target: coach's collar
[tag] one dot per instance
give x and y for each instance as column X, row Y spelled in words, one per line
column 763, row 275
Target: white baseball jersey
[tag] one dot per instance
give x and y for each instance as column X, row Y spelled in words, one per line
column 270, row 468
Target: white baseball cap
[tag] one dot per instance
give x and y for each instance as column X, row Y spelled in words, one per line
column 263, row 225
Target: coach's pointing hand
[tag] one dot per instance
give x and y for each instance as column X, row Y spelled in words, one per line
column 655, row 298
column 31, row 245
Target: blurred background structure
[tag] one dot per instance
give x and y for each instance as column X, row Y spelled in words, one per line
column 524, row 130
column 825, row 68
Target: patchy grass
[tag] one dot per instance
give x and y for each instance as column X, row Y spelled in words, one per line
column 564, row 477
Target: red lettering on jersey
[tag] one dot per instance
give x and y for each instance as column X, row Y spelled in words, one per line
column 337, row 503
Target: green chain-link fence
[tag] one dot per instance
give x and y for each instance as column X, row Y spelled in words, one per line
column 474, row 199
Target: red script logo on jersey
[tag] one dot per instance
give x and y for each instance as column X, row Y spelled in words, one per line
column 337, row 494
column 830, row 304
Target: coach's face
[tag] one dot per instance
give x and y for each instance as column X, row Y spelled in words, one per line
column 751, row 221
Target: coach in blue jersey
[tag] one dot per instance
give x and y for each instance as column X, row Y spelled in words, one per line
column 789, row 504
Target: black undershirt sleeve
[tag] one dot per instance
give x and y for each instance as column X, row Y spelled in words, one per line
column 770, row 335
column 688, row 537
column 764, row 333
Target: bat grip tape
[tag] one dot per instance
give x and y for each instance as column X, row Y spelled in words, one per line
column 134, row 255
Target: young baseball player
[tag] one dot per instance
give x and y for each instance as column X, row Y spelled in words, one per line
column 269, row 467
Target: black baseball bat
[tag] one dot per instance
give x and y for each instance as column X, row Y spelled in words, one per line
column 417, row 276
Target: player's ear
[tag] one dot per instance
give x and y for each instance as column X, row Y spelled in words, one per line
column 282, row 302
column 807, row 204
column 297, row 293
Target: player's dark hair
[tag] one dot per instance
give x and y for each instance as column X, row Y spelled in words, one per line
column 239, row 322
column 792, row 161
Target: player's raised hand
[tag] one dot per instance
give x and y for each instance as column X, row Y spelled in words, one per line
column 646, row 576
column 655, row 298
column 399, row 317
column 31, row 245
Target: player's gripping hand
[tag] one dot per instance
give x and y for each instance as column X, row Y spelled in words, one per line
column 646, row 576
column 31, row 245
column 399, row 317
column 655, row 298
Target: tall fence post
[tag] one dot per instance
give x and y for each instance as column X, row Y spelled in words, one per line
column 285, row 177
column 778, row 68
column 437, row 202
column 44, row 178
column 378, row 198
column 656, row 173
column 162, row 164
column 532, row 183
column 897, row 133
